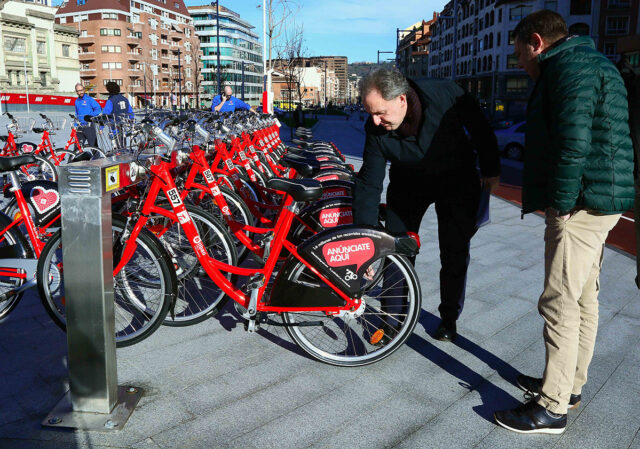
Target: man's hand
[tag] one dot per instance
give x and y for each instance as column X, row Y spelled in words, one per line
column 490, row 183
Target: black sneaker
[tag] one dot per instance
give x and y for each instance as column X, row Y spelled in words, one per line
column 534, row 384
column 531, row 417
column 446, row 331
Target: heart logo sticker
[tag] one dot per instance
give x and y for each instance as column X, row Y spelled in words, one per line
column 44, row 199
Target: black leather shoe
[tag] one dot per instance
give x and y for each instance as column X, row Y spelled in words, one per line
column 446, row 331
column 534, row 384
column 531, row 418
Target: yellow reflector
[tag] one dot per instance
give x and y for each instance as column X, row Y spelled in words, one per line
column 376, row 337
column 17, row 216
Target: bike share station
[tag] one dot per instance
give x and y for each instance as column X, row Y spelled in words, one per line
column 94, row 400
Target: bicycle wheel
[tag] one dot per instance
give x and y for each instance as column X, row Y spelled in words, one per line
column 96, row 153
column 391, row 304
column 143, row 289
column 42, row 169
column 66, row 156
column 199, row 297
column 12, row 245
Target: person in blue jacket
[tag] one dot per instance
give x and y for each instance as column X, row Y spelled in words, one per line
column 86, row 105
column 117, row 104
column 227, row 102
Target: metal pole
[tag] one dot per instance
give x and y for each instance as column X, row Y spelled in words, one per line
column 26, row 82
column 242, row 85
column 455, row 39
column 325, row 87
column 264, row 44
column 179, row 80
column 144, row 74
column 218, row 41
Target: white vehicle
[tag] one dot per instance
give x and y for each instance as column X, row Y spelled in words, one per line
column 511, row 141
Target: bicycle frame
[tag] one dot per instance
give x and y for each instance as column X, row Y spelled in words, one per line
column 163, row 181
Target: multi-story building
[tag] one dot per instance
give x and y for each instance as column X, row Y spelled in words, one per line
column 618, row 18
column 337, row 65
column 148, row 47
column 32, row 45
column 412, row 51
column 240, row 53
column 474, row 46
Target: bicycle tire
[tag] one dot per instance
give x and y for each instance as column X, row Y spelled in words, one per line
column 198, row 296
column 136, row 317
column 96, row 153
column 14, row 238
column 336, row 342
column 67, row 156
column 43, row 169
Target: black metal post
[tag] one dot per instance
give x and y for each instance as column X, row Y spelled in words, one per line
column 325, row 87
column 242, row 85
column 179, row 80
column 218, row 41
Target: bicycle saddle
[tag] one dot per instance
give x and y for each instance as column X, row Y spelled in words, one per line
column 306, row 168
column 11, row 163
column 300, row 189
column 37, row 130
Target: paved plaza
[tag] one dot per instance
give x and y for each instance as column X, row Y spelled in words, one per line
column 213, row 385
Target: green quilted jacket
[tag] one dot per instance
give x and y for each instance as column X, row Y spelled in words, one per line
column 578, row 149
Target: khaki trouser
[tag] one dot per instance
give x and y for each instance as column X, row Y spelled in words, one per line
column 569, row 303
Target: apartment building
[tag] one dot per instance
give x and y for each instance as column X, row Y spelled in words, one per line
column 241, row 64
column 474, row 46
column 336, row 65
column 412, row 51
column 36, row 53
column 618, row 18
column 148, row 47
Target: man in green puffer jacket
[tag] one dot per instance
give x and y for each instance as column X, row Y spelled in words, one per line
column 578, row 168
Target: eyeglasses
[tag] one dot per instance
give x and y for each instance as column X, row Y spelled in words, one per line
column 79, row 90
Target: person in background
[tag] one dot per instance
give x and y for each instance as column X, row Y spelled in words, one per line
column 578, row 168
column 227, row 102
column 174, row 102
column 86, row 105
column 298, row 116
column 117, row 104
column 420, row 128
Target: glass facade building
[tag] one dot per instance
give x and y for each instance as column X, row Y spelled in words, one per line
column 239, row 48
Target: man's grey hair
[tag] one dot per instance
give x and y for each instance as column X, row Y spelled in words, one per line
column 389, row 82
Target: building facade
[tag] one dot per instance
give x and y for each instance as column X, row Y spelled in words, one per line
column 474, row 46
column 148, row 47
column 240, row 53
column 618, row 18
column 336, row 68
column 33, row 45
column 412, row 50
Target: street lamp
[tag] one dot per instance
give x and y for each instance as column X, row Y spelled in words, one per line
column 217, row 3
column 379, row 52
column 179, row 79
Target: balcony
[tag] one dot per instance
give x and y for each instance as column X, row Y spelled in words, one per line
column 87, row 70
column 87, row 36
column 133, row 56
column 87, row 56
column 165, row 57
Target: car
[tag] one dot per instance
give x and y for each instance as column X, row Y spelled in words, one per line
column 511, row 141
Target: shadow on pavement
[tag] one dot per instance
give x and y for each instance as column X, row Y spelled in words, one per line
column 493, row 397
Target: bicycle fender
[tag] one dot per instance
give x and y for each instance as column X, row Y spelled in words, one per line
column 343, row 254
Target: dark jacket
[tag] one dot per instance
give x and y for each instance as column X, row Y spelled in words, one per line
column 441, row 146
column 118, row 105
column 577, row 146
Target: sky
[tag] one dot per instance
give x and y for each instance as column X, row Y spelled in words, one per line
column 356, row 29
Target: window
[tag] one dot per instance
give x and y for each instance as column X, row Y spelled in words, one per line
column 619, row 4
column 43, row 79
column 581, row 29
column 610, row 49
column 66, row 50
column 83, row 33
column 633, row 59
column 512, row 38
column 500, row 15
column 118, row 82
column 551, row 5
column 111, row 49
column 580, row 7
column 63, row 20
column 109, row 16
column 41, row 47
column 498, row 35
column 519, row 12
column 153, row 23
column 512, row 62
column 111, row 65
column 80, row 2
column 110, row 32
column 617, row 25
column 517, row 85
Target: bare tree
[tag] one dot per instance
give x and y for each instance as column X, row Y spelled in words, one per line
column 278, row 13
column 291, row 53
column 196, row 68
